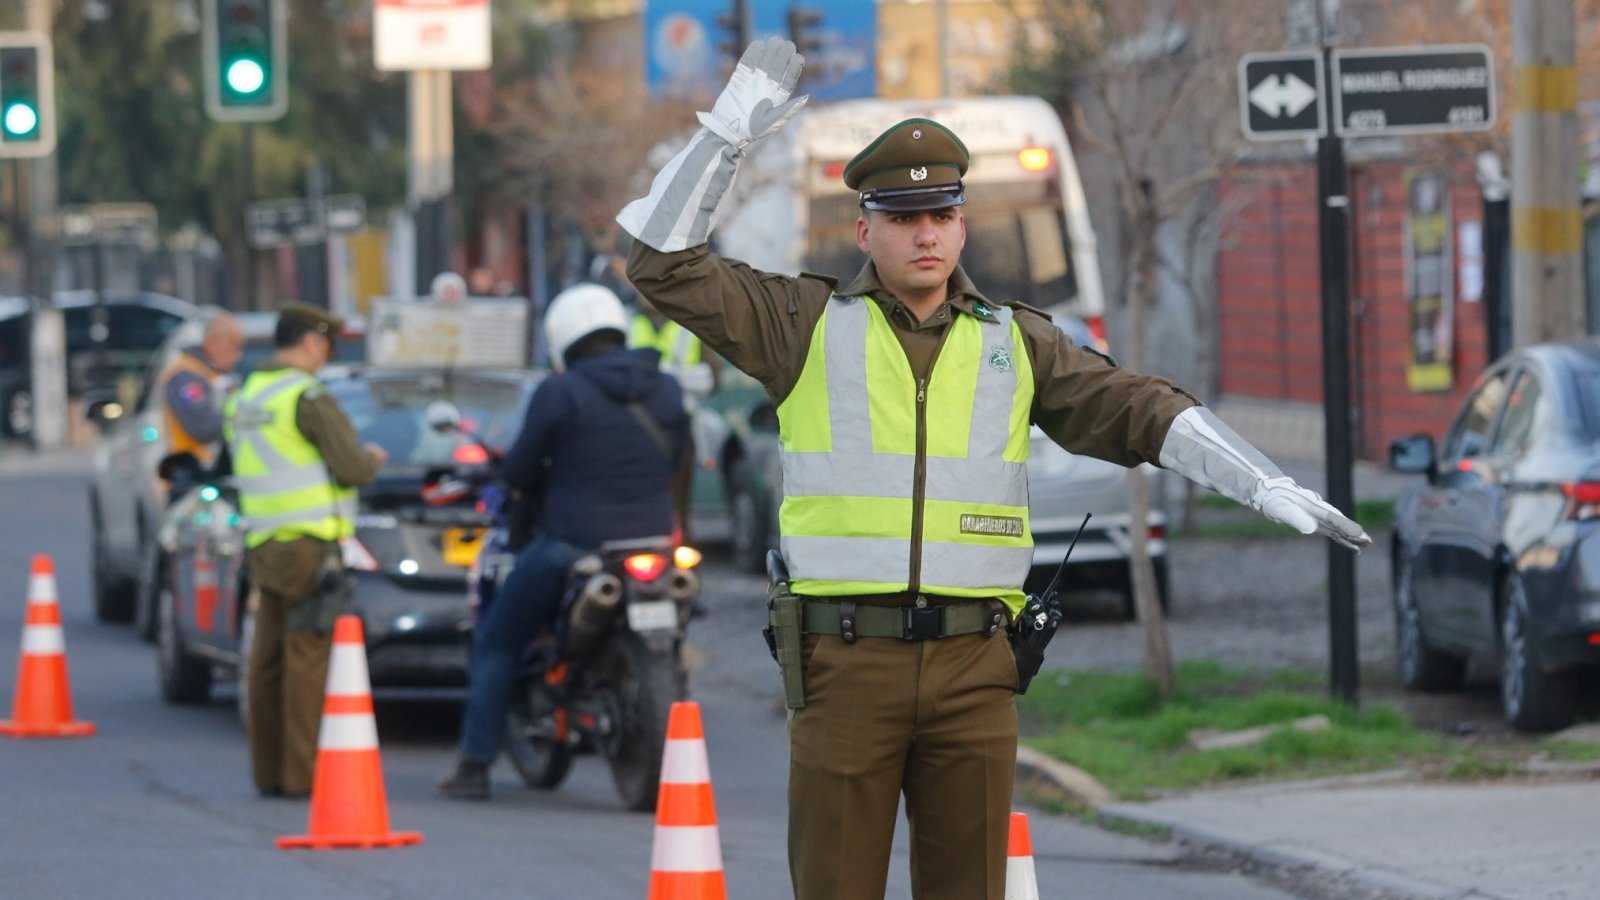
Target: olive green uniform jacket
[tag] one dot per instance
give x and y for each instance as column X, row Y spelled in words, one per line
column 762, row 323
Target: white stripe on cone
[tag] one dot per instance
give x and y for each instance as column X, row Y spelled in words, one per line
column 684, row 762
column 347, row 671
column 348, row 731
column 41, row 588
column 43, row 640
column 1021, row 884
column 680, row 848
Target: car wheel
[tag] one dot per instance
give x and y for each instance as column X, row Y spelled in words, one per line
column 151, row 559
column 185, row 679
column 1422, row 668
column 113, row 598
column 247, row 640
column 1534, row 700
column 749, row 538
column 19, row 414
column 1130, row 607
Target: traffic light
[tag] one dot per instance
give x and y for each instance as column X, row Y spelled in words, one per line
column 246, row 68
column 27, row 95
column 803, row 25
column 736, row 22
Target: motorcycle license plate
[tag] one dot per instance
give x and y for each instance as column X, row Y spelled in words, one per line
column 652, row 616
column 461, row 545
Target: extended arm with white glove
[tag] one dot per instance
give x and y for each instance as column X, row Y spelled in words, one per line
column 1200, row 447
column 681, row 208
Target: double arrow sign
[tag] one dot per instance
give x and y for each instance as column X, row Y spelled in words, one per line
column 1402, row 90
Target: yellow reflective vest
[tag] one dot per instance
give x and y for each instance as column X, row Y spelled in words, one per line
column 677, row 345
column 285, row 491
column 893, row 483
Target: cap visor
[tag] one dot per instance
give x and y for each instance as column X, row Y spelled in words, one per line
column 914, row 199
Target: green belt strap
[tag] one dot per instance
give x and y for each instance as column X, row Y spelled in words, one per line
column 967, row 617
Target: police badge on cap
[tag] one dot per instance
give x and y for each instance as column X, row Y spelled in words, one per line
column 915, row 165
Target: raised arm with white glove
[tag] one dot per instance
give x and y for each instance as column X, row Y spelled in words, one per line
column 681, row 208
column 1201, row 448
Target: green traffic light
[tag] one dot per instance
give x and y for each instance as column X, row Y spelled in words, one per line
column 245, row 76
column 21, row 119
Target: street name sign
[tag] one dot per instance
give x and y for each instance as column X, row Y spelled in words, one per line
column 1280, row 95
column 1413, row 90
column 109, row 223
column 301, row 220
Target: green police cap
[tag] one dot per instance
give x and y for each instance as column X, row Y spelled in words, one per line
column 320, row 320
column 915, row 165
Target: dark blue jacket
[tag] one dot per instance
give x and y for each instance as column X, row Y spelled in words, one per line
column 595, row 473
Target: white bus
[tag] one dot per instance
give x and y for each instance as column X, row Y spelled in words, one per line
column 1028, row 232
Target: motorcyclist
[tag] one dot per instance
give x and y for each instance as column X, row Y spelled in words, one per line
column 598, row 447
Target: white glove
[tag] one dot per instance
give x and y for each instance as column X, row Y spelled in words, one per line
column 681, row 208
column 1287, row 503
column 1200, row 447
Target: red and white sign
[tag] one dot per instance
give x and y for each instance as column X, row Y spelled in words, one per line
column 430, row 34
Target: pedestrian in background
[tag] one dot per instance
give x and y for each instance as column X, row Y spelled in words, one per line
column 905, row 399
column 296, row 461
column 193, row 388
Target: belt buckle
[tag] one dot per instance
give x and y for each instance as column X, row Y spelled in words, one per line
column 922, row 623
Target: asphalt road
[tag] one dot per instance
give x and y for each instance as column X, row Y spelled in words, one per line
column 158, row 803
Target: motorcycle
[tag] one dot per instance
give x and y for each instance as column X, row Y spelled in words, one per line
column 603, row 681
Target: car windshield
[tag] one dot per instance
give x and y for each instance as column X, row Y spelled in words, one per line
column 390, row 410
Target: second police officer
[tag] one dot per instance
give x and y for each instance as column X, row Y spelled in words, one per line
column 904, row 399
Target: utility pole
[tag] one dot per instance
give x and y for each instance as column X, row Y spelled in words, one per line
column 42, row 178
column 1546, row 218
column 431, row 169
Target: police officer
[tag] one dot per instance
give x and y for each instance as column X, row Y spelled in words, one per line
column 193, row 387
column 905, row 398
column 296, row 461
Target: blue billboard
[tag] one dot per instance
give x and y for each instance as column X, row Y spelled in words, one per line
column 682, row 39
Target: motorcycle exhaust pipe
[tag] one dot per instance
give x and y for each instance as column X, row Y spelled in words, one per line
column 683, row 587
column 592, row 612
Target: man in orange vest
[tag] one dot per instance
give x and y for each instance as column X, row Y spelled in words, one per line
column 193, row 387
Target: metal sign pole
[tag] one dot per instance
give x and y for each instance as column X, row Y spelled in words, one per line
column 1333, row 216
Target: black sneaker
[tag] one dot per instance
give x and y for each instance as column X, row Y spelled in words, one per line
column 470, row 781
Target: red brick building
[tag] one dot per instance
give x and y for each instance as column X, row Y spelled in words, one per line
column 1269, row 296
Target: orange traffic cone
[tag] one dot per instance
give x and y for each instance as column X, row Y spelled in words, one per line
column 1020, row 881
column 348, row 808
column 43, row 705
column 686, row 862
column 205, row 590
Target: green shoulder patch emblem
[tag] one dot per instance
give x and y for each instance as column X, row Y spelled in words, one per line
column 1000, row 359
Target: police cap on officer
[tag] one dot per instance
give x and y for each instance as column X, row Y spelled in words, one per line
column 315, row 319
column 915, row 165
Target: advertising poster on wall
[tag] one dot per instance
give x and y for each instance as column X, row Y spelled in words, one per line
column 1429, row 283
column 687, row 54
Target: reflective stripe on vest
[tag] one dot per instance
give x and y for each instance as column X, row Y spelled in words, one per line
column 677, row 345
column 849, row 431
column 284, row 488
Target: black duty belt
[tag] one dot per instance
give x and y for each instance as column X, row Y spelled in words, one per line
column 851, row 620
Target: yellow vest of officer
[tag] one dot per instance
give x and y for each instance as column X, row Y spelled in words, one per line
column 285, row 491
column 890, row 482
column 677, row 345
column 179, row 440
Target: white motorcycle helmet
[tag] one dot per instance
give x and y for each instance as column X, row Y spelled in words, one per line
column 578, row 312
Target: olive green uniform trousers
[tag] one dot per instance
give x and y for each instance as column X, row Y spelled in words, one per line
column 934, row 719
column 288, row 667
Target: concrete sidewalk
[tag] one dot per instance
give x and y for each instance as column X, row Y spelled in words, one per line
column 1396, row 838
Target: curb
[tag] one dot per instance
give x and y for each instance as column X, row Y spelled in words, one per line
column 1283, row 855
column 1044, row 777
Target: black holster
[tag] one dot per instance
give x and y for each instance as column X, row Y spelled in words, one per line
column 785, row 631
column 330, row 600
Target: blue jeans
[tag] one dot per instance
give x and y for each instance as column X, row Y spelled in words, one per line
column 525, row 604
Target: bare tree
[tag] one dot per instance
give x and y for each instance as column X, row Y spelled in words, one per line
column 1153, row 90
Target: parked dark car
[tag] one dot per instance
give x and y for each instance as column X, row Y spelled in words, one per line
column 1496, row 556
column 410, row 558
column 136, row 324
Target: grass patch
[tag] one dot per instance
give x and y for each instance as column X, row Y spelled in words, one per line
column 1115, row 728
column 1572, row 751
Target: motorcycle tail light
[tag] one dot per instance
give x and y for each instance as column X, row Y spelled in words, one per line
column 645, row 566
column 356, row 557
column 686, row 557
column 470, row 455
column 1583, row 499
